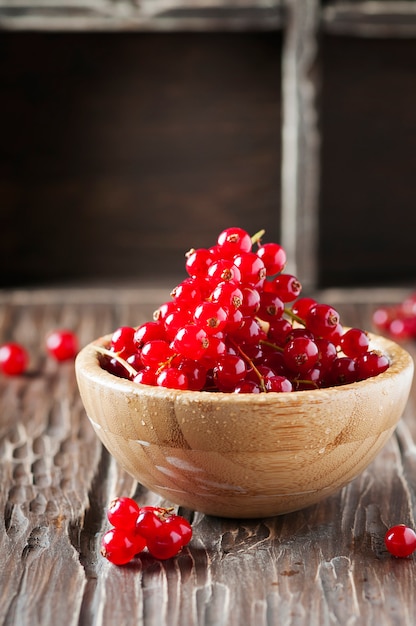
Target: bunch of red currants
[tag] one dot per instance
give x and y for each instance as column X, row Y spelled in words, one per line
column 160, row 530
column 238, row 324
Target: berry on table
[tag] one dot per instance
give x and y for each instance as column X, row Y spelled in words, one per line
column 118, row 546
column 123, row 513
column 62, row 345
column 159, row 530
column 13, row 359
column 400, row 540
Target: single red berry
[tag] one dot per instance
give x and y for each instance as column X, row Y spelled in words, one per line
column 251, row 300
column 232, row 241
column 371, row 364
column 354, row 342
column 343, row 371
column 300, row 354
column 252, row 269
column 123, row 513
column 146, row 376
column 322, row 320
column 211, row 317
column 147, row 332
column 118, row 546
column 149, row 521
column 155, row 353
column 273, row 257
column 13, row 359
column 198, row 261
column 286, row 286
column 173, row 378
column 166, row 544
column 62, row 344
column 182, row 526
column 278, row 383
column 302, row 306
column 191, row 342
column 223, row 270
column 400, row 540
column 195, row 371
column 229, row 372
column 122, row 341
column 247, row 386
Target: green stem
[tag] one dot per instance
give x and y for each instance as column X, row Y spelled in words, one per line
column 294, row 317
column 264, row 342
column 257, row 236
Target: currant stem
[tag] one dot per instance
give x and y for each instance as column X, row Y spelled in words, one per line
column 294, row 317
column 250, row 362
column 264, row 342
column 113, row 355
column 257, row 236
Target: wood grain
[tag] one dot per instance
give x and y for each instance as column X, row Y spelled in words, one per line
column 324, row 565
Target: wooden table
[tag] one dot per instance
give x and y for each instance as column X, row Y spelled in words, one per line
column 321, row 566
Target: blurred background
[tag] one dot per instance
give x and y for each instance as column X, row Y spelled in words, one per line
column 132, row 131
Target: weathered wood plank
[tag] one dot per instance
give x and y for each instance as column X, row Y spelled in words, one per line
column 370, row 18
column 324, row 565
column 300, row 165
column 143, row 15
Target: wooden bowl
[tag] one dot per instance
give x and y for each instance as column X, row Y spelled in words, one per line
column 244, row 455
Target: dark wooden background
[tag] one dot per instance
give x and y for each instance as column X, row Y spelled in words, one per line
column 119, row 151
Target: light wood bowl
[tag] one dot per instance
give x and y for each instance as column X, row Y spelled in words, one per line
column 244, row 455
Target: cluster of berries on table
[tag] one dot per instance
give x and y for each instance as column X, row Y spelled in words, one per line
column 134, row 529
column 399, row 320
column 238, row 323
column 61, row 344
column 400, row 540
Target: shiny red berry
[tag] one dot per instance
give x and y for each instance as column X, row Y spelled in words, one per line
column 118, row 546
column 123, row 513
column 400, row 540
column 13, row 359
column 166, row 544
column 62, row 345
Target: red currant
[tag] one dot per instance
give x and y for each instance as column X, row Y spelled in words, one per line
column 198, row 261
column 166, row 544
column 191, row 342
column 13, row 359
column 400, row 541
column 322, row 320
column 273, row 257
column 301, row 354
column 123, row 513
column 62, row 344
column 172, row 378
column 118, row 546
column 156, row 352
column 211, row 317
column 122, row 341
column 232, row 241
column 147, row 332
column 354, row 342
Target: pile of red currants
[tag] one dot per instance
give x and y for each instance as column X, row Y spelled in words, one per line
column 160, row 530
column 238, row 324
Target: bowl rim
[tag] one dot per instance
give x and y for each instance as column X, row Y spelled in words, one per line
column 87, row 363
